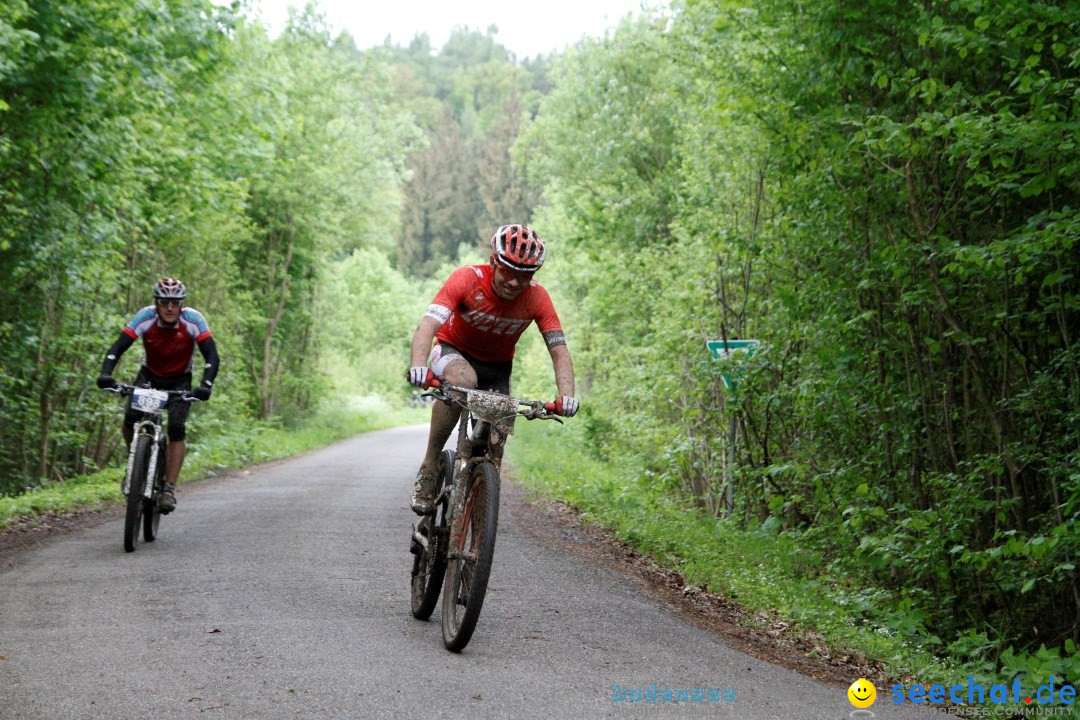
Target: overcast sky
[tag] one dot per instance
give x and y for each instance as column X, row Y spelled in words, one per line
column 526, row 27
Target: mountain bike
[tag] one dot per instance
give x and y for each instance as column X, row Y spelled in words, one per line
column 145, row 476
column 453, row 547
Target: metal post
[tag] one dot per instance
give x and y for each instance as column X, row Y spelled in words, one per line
column 733, row 430
column 725, row 348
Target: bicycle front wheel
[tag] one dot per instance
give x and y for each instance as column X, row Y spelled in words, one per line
column 133, row 518
column 151, row 520
column 469, row 566
column 151, row 509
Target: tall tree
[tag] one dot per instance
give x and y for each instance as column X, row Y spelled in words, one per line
column 84, row 92
column 463, row 184
column 334, row 144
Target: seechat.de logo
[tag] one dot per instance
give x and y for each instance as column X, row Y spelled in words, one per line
column 973, row 693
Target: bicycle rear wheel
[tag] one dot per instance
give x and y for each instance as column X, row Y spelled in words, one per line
column 469, row 566
column 430, row 563
column 133, row 517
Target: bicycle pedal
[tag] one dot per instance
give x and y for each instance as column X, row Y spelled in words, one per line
column 414, row 547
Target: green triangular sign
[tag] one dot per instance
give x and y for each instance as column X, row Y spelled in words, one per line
column 722, row 348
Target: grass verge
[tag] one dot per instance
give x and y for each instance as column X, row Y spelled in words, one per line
column 764, row 572
column 775, row 574
column 209, row 456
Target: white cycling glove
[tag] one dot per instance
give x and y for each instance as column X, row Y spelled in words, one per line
column 418, row 375
column 566, row 406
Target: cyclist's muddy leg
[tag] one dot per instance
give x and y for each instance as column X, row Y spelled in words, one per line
column 128, row 432
column 444, row 417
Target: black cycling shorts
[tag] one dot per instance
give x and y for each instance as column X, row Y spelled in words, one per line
column 494, row 376
column 178, row 409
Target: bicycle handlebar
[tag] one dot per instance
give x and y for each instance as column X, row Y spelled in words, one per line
column 540, row 410
column 123, row 390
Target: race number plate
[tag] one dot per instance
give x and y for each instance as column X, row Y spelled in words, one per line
column 495, row 408
column 149, row 401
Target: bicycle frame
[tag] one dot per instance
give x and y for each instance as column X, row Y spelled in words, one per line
column 146, row 465
column 487, row 420
column 455, row 544
column 486, row 423
column 149, row 424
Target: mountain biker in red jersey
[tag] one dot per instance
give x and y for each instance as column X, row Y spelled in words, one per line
column 475, row 321
column 169, row 332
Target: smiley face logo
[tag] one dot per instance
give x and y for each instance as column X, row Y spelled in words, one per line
column 861, row 693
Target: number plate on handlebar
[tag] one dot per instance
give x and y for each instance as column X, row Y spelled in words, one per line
column 149, row 401
column 495, row 408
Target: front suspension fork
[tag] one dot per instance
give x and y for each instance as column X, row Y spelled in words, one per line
column 155, row 454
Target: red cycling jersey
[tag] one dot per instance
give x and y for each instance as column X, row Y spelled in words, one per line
column 169, row 350
column 474, row 319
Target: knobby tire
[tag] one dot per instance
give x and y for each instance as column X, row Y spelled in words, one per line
column 430, row 566
column 467, row 578
column 133, row 517
column 151, row 509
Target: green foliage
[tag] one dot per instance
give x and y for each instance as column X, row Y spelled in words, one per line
column 373, row 311
column 886, row 196
column 140, row 141
column 329, row 145
column 86, row 153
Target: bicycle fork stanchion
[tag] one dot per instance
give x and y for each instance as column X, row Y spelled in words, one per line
column 155, row 455
column 457, row 502
column 419, row 539
column 126, row 488
column 456, row 505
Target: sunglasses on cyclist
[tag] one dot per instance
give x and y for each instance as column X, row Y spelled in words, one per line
column 170, row 302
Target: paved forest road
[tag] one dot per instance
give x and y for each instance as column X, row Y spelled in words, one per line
column 283, row 593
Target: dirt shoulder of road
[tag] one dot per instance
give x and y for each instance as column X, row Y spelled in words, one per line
column 557, row 524
column 29, row 532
